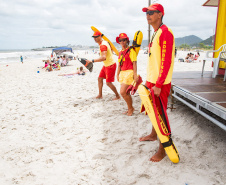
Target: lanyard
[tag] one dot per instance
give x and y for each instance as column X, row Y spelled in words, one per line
column 121, row 61
column 152, row 38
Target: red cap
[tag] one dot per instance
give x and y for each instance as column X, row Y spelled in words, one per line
column 122, row 36
column 154, row 6
column 97, row 33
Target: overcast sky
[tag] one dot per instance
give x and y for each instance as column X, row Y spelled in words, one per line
column 26, row 24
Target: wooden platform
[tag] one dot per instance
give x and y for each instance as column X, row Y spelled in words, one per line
column 206, row 95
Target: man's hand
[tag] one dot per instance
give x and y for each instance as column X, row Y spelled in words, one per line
column 156, row 90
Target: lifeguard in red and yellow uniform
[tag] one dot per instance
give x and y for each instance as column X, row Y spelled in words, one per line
column 127, row 69
column 160, row 65
column 108, row 70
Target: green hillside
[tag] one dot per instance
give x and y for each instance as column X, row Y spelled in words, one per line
column 190, row 40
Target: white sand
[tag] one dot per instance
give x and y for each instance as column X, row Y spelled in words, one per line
column 54, row 132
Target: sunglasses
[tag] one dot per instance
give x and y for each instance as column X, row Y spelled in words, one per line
column 151, row 12
column 122, row 40
column 96, row 36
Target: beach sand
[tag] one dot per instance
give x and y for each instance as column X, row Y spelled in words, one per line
column 54, row 132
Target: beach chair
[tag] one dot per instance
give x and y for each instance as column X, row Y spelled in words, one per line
column 221, row 57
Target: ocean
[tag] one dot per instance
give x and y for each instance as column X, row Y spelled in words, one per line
column 11, row 56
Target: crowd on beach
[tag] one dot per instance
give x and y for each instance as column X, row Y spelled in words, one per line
column 56, row 64
column 191, row 57
column 61, row 61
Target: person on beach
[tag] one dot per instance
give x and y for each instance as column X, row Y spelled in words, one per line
column 46, row 65
column 60, row 60
column 189, row 58
column 108, row 70
column 21, row 59
column 58, row 66
column 197, row 56
column 160, row 66
column 50, row 67
column 64, row 61
column 127, row 70
column 80, row 71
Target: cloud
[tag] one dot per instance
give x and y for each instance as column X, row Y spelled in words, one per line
column 40, row 23
column 190, row 18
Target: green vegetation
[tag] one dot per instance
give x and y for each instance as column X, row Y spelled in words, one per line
column 184, row 46
column 92, row 47
column 193, row 42
column 200, row 45
column 203, row 46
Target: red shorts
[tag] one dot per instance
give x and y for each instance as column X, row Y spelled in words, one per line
column 108, row 73
column 165, row 92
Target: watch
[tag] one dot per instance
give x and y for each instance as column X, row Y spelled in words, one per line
column 93, row 60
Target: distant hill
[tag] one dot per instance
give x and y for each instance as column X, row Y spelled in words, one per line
column 191, row 40
column 208, row 41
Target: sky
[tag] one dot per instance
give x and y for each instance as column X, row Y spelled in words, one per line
column 27, row 24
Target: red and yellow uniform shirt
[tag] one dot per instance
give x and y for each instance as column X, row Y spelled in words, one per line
column 161, row 57
column 104, row 46
column 128, row 59
column 126, row 73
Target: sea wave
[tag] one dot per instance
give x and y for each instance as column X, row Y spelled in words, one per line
column 12, row 56
column 9, row 56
